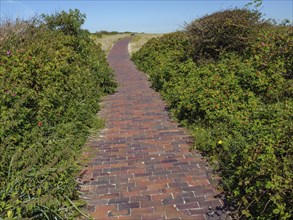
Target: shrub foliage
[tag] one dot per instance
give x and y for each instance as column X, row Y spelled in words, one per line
column 229, row 30
column 238, row 105
column 52, row 78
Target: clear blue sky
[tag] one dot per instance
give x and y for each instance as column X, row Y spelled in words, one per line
column 139, row 16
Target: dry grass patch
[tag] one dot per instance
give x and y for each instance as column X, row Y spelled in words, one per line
column 107, row 41
column 139, row 40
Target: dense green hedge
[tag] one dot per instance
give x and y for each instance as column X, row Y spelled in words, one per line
column 51, row 83
column 238, row 106
column 229, row 30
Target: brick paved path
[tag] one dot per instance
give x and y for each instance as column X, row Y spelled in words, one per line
column 143, row 169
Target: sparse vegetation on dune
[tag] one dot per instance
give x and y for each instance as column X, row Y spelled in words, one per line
column 108, row 39
column 139, row 40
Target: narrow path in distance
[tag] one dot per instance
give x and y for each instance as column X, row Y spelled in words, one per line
column 143, row 168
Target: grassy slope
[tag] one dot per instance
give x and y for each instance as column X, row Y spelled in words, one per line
column 107, row 41
column 139, row 40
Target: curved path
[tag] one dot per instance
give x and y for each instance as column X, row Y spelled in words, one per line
column 143, row 168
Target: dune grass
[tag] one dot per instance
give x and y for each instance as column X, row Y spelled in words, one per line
column 139, row 40
column 107, row 41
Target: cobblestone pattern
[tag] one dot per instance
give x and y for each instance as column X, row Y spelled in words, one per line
column 143, row 168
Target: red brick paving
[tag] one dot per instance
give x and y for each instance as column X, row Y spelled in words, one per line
column 143, row 168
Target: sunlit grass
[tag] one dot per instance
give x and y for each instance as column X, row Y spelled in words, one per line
column 107, row 41
column 139, row 40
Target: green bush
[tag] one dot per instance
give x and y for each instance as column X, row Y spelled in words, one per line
column 238, row 106
column 51, row 84
column 159, row 52
column 69, row 23
column 100, row 34
column 228, row 30
column 272, row 44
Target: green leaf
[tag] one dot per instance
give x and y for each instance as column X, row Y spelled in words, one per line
column 246, row 213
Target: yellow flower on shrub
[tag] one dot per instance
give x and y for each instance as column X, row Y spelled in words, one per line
column 9, row 214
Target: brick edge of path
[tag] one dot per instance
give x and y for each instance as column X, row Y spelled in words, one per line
column 142, row 168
